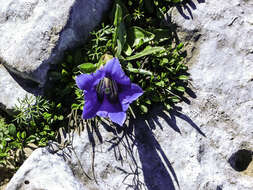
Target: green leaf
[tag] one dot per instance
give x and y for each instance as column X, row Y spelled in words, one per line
column 12, row 130
column 60, row 118
column 59, row 105
column 129, row 65
column 160, row 83
column 4, row 143
column 144, row 108
column 120, row 34
column 2, row 155
column 87, row 68
column 180, row 88
column 172, row 84
column 31, row 138
column 118, row 15
column 183, row 77
column 15, row 144
column 180, row 46
column 46, row 115
column 164, row 61
column 75, row 106
column 18, row 135
column 32, row 123
column 145, row 52
column 46, row 128
column 148, row 101
column 41, row 143
column 120, row 31
column 23, row 135
column 163, row 75
column 145, row 72
column 175, row 99
column 55, row 118
column 127, row 49
column 119, row 48
column 168, row 107
column 64, row 72
column 176, row 1
column 140, row 71
column 136, row 36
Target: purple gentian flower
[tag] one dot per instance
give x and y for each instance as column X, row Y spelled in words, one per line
column 108, row 92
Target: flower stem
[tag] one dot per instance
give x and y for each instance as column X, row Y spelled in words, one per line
column 132, row 112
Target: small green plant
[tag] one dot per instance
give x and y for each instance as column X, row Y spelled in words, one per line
column 137, row 35
column 145, row 51
column 36, row 122
column 4, row 139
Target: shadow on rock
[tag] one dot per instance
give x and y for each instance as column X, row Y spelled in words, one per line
column 27, row 84
column 144, row 151
column 156, row 176
column 170, row 118
column 185, row 8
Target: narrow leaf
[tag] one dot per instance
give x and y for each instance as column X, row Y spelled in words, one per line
column 120, row 33
column 119, row 48
column 118, row 15
column 140, row 71
column 175, row 99
column 145, row 52
column 183, row 77
column 180, row 88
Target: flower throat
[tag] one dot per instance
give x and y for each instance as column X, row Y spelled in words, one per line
column 108, row 87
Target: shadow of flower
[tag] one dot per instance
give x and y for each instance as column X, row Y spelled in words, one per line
column 156, row 175
column 144, row 151
column 185, row 8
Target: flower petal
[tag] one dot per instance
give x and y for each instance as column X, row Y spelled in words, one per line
column 87, row 81
column 107, row 107
column 114, row 71
column 128, row 94
column 91, row 105
column 118, row 117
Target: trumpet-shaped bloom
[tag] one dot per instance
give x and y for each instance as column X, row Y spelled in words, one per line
column 108, row 92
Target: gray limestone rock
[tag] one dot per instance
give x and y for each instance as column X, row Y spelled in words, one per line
column 51, row 172
column 10, row 90
column 205, row 146
column 35, row 33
